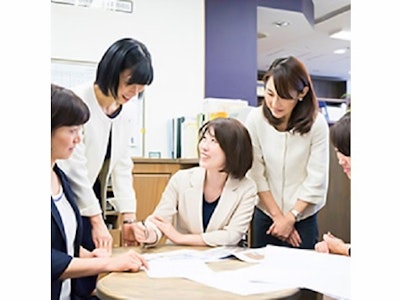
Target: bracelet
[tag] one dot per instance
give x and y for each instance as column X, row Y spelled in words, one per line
column 129, row 221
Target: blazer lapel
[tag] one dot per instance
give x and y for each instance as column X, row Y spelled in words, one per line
column 194, row 199
column 57, row 219
column 227, row 203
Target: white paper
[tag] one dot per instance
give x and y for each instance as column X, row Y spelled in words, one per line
column 325, row 273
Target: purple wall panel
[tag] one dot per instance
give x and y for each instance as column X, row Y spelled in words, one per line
column 231, row 49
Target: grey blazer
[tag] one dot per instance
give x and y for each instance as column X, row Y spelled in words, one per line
column 181, row 203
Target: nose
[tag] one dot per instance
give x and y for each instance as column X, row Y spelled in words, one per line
column 203, row 145
column 136, row 89
column 78, row 137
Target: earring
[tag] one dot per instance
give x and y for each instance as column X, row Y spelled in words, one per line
column 300, row 99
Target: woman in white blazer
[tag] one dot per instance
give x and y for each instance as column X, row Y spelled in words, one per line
column 291, row 158
column 211, row 204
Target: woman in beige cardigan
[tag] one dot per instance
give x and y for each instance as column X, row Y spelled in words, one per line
column 211, row 204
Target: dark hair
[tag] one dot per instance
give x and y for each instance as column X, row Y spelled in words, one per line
column 124, row 54
column 235, row 141
column 340, row 134
column 67, row 109
column 290, row 74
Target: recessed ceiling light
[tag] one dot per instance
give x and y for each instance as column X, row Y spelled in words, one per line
column 340, row 51
column 342, row 35
column 281, row 24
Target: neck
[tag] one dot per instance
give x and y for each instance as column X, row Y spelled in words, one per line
column 107, row 103
column 214, row 184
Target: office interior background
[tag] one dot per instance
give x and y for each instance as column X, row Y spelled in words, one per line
column 189, row 89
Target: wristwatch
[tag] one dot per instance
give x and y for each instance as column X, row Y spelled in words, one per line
column 297, row 215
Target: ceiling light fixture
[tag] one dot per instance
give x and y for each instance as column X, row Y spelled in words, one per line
column 340, row 51
column 341, row 35
column 280, row 24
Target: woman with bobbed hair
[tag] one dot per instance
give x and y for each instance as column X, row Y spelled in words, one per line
column 291, row 158
column 104, row 153
column 209, row 205
column 122, row 74
column 70, row 261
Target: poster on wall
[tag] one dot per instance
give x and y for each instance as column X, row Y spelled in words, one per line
column 69, row 73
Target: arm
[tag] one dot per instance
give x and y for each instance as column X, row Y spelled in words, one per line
column 76, row 170
column 150, row 235
column 82, row 267
column 121, row 167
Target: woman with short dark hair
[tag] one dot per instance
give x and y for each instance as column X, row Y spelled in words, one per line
column 104, row 153
column 209, row 205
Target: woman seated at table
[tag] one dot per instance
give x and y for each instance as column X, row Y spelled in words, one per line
column 340, row 138
column 68, row 258
column 209, row 205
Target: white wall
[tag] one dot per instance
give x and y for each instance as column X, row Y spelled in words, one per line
column 172, row 30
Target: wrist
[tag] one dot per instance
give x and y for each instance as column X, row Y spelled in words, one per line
column 295, row 214
column 96, row 219
column 128, row 218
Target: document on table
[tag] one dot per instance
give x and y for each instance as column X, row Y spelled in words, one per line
column 325, row 273
column 277, row 268
column 192, row 264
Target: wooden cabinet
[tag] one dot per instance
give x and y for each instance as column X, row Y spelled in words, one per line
column 150, row 177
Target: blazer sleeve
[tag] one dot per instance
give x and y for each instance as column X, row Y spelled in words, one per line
column 59, row 262
column 258, row 169
column 167, row 207
column 315, row 186
column 76, row 168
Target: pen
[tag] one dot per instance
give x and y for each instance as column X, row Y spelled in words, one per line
column 146, row 232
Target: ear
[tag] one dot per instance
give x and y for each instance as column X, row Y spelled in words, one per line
column 304, row 92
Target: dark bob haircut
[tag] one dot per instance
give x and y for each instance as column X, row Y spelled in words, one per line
column 290, row 74
column 67, row 109
column 235, row 141
column 340, row 134
column 124, row 54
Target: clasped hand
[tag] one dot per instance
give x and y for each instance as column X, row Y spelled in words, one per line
column 283, row 229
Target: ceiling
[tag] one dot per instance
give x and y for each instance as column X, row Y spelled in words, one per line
column 310, row 44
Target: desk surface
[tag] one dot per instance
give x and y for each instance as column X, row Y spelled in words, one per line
column 125, row 285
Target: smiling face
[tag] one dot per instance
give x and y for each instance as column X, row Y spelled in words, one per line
column 211, row 154
column 127, row 91
column 280, row 108
column 63, row 141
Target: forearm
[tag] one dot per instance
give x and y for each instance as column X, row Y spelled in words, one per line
column 190, row 240
column 268, row 202
column 81, row 267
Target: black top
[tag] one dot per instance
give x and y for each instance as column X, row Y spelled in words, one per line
column 208, row 210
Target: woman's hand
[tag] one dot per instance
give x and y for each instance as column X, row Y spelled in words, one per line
column 283, row 229
column 100, row 234
column 335, row 245
column 143, row 233
column 167, row 229
column 129, row 261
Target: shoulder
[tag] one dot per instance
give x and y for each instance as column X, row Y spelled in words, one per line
column 85, row 91
column 245, row 183
column 192, row 176
column 320, row 123
column 255, row 112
